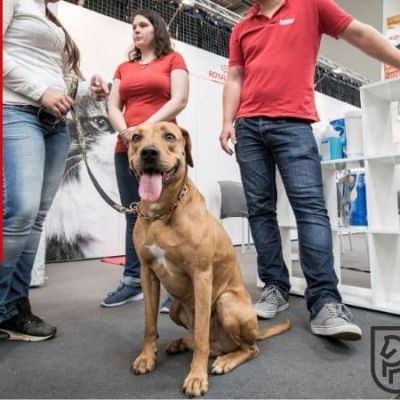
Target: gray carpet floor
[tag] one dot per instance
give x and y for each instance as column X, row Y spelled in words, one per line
column 92, row 354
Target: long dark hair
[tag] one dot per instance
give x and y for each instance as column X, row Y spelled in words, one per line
column 162, row 40
column 73, row 54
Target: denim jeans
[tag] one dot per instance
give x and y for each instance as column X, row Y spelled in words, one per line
column 34, row 163
column 262, row 144
column 129, row 192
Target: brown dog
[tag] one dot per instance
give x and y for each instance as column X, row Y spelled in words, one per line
column 180, row 244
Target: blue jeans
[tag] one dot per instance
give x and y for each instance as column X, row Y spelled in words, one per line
column 34, row 162
column 129, row 192
column 289, row 144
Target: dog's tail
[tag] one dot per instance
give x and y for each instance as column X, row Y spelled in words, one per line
column 274, row 330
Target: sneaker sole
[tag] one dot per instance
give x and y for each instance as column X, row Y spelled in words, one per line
column 338, row 332
column 164, row 310
column 20, row 337
column 121, row 303
column 271, row 314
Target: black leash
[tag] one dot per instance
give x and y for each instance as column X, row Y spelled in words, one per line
column 132, row 209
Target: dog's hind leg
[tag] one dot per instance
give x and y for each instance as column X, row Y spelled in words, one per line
column 239, row 322
column 182, row 317
column 227, row 362
column 180, row 345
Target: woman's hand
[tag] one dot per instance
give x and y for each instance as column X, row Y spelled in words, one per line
column 56, row 102
column 98, row 87
column 126, row 134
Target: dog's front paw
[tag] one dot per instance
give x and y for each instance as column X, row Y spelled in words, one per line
column 144, row 363
column 195, row 384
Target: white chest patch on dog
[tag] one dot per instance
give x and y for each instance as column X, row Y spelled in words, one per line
column 159, row 254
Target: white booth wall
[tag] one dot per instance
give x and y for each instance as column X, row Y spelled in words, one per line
column 78, row 211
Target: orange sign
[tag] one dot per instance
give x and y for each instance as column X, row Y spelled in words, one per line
column 393, row 34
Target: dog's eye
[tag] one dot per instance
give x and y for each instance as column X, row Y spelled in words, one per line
column 136, row 138
column 169, row 137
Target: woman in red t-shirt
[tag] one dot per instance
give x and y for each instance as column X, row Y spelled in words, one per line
column 152, row 86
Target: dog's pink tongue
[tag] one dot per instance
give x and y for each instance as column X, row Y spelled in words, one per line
column 150, row 187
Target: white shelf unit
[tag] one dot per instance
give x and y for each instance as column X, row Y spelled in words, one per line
column 383, row 232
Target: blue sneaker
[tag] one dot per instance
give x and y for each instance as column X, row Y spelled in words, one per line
column 166, row 305
column 123, row 294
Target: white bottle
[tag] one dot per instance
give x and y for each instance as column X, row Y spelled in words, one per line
column 354, row 138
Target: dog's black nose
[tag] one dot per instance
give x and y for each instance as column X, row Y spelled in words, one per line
column 149, row 154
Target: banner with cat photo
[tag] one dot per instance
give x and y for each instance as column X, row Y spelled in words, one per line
column 79, row 217
column 80, row 225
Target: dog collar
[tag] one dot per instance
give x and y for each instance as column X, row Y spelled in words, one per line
column 169, row 210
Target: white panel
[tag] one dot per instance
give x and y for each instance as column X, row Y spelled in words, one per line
column 104, row 42
column 385, row 274
column 330, row 108
column 381, row 188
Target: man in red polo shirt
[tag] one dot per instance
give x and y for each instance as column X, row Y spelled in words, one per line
column 269, row 96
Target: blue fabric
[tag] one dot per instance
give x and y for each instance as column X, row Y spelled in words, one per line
column 34, row 163
column 289, row 144
column 129, row 192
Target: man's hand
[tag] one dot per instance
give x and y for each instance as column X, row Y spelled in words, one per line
column 228, row 133
column 98, row 87
column 56, row 102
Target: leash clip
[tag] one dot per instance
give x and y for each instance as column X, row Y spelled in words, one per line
column 132, row 209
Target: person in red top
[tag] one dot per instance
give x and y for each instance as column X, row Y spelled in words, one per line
column 152, row 86
column 268, row 105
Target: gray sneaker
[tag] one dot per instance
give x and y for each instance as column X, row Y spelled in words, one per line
column 336, row 321
column 270, row 303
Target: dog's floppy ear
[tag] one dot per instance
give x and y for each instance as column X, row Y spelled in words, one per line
column 188, row 147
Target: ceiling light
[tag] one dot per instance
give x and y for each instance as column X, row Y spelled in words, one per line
column 188, row 3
